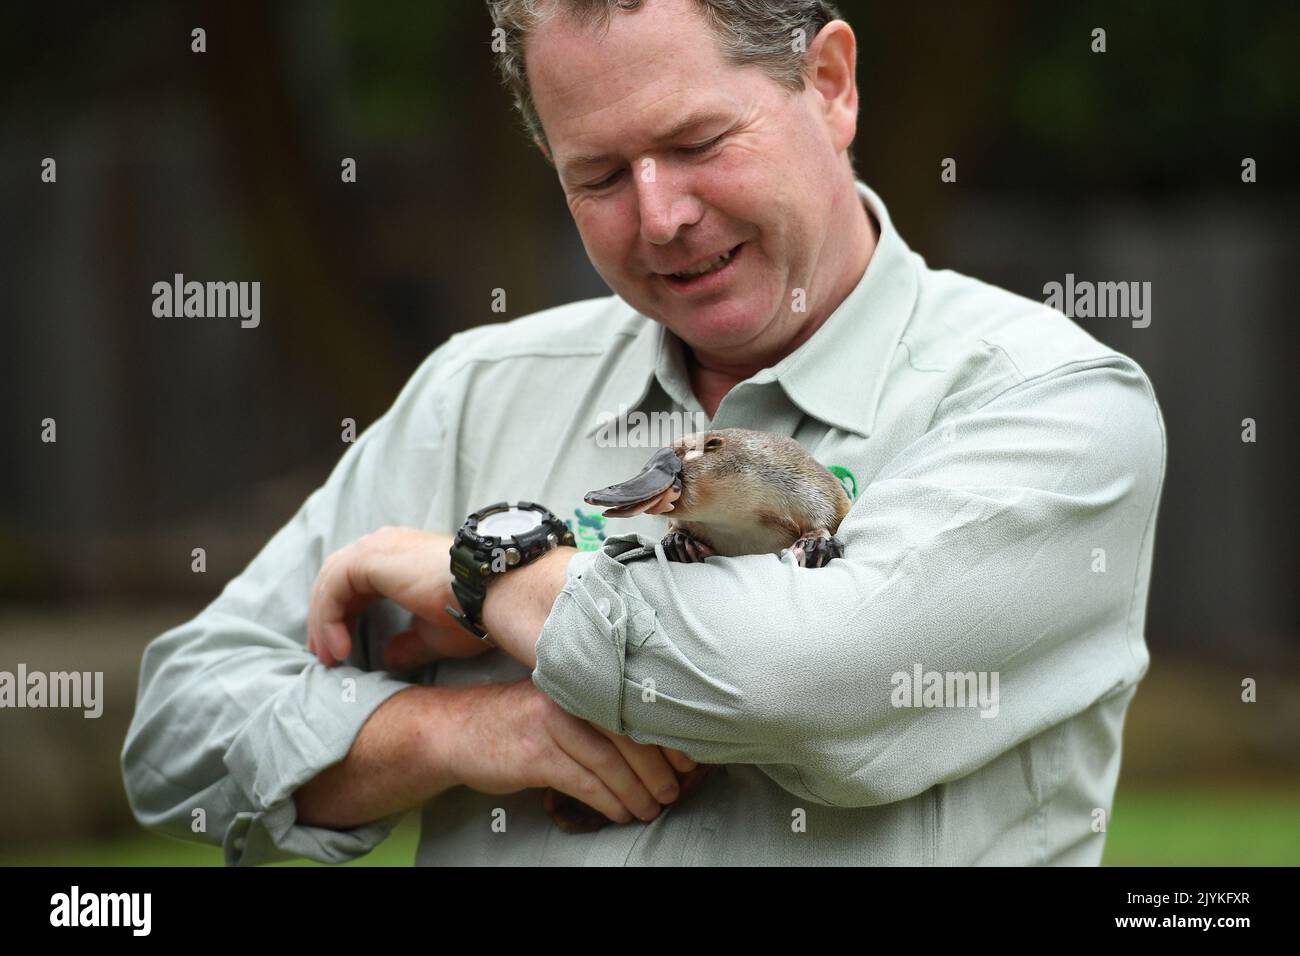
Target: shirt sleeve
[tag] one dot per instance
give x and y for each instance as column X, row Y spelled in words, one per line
column 232, row 712
column 1011, row 539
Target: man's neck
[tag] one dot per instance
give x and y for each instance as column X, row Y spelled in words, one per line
column 712, row 378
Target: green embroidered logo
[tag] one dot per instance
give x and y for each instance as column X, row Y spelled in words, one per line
column 846, row 479
column 589, row 534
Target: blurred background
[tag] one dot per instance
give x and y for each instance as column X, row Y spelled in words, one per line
column 1122, row 166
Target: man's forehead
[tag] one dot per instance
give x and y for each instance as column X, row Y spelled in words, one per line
column 643, row 73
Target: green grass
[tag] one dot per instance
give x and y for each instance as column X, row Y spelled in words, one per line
column 149, row 849
column 1203, row 827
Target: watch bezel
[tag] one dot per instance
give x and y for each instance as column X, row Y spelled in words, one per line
column 472, row 556
column 541, row 532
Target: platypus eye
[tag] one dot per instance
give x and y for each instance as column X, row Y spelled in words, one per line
column 712, row 443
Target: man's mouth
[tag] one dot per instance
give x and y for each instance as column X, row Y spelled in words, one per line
column 701, row 272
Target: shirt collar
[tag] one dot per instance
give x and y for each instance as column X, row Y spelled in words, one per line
column 837, row 376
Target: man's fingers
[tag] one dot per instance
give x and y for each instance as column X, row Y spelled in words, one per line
column 334, row 599
column 327, row 637
column 336, row 595
column 571, row 777
column 322, row 653
column 679, row 760
column 397, row 563
column 339, row 640
column 599, row 755
column 424, row 642
column 648, row 763
column 408, row 649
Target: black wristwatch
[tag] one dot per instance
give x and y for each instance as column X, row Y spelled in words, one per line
column 492, row 541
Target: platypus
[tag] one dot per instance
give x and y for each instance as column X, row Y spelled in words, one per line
column 735, row 491
column 729, row 491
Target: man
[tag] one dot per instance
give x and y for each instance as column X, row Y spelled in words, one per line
column 951, row 691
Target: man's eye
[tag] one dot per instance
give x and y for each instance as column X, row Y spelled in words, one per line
column 688, row 150
column 606, row 182
column 702, row 148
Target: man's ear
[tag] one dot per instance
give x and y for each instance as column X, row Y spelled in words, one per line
column 832, row 65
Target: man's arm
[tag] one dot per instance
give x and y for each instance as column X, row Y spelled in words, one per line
column 975, row 550
column 494, row 738
column 233, row 714
column 397, row 762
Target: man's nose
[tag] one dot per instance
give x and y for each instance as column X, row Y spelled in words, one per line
column 667, row 203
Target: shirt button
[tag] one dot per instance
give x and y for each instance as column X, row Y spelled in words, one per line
column 602, row 605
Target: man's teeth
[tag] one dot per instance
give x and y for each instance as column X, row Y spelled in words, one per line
column 706, row 267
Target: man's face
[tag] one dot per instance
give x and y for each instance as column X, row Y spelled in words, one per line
column 753, row 175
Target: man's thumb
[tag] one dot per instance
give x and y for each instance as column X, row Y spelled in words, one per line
column 406, row 650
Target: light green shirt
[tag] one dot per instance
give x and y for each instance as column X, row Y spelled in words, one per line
column 1005, row 469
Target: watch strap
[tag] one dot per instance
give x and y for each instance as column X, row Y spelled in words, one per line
column 471, row 602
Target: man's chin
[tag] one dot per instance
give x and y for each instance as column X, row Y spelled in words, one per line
column 716, row 327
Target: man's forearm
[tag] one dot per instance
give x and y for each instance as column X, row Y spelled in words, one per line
column 397, row 762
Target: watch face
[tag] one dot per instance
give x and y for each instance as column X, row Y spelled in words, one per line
column 509, row 524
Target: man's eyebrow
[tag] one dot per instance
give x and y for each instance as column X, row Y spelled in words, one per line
column 690, row 121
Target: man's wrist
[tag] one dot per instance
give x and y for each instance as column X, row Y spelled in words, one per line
column 435, row 738
column 517, row 606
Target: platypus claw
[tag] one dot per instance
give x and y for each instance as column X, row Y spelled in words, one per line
column 681, row 547
column 816, row 551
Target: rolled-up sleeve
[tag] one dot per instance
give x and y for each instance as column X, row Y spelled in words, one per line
column 1013, row 538
column 232, row 712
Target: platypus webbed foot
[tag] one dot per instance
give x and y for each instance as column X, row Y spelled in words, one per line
column 681, row 547
column 816, row 550
column 571, row 815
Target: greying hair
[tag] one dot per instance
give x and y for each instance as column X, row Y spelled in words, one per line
column 758, row 32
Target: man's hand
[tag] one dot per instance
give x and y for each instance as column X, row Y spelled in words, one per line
column 513, row 737
column 410, row 568
column 507, row 737
column 494, row 738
